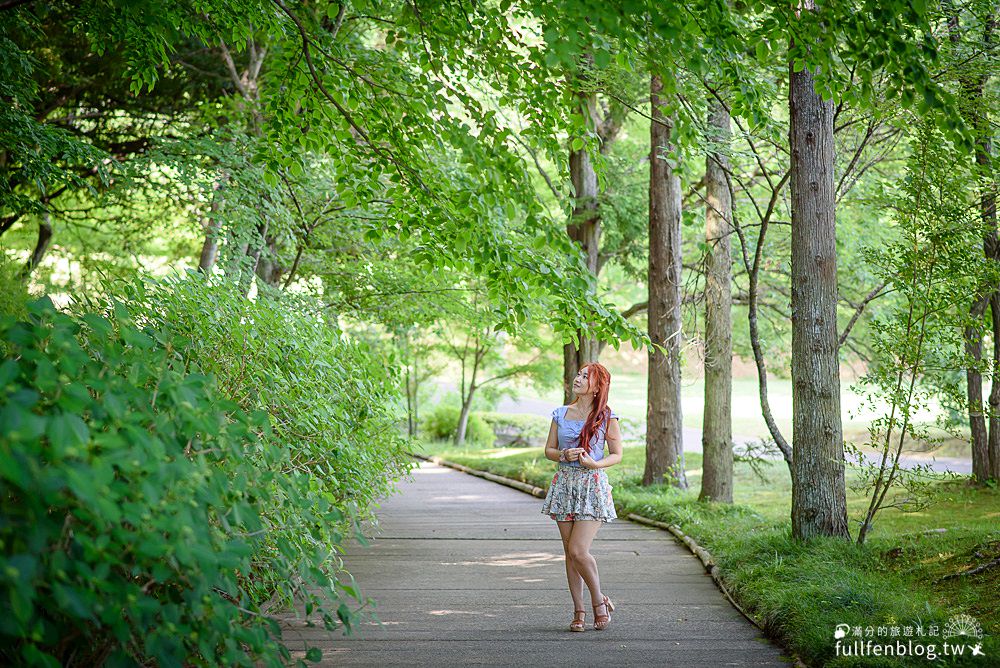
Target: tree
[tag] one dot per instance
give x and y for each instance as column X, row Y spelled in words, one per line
column 819, row 494
column 717, row 425
column 487, row 356
column 933, row 266
column 664, row 443
column 415, row 351
column 973, row 75
column 602, row 121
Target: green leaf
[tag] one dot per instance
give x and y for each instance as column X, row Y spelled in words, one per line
column 8, row 372
column 67, row 432
column 762, row 51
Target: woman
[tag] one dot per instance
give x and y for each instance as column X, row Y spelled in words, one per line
column 579, row 498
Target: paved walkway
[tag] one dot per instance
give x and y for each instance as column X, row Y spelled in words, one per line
column 469, row 572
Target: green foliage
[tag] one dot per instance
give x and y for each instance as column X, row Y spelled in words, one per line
column 935, row 268
column 14, row 294
column 35, row 154
column 126, row 435
column 388, row 126
column 131, row 494
column 442, row 423
column 326, row 396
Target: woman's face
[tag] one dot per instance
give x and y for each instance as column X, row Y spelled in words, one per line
column 581, row 384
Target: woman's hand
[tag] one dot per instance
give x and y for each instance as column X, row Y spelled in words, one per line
column 588, row 463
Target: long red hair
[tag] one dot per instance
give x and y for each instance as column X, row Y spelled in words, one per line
column 600, row 383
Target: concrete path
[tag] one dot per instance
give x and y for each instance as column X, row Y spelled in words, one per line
column 469, row 572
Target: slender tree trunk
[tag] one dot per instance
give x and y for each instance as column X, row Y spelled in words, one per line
column 664, row 445
column 416, row 397
column 254, row 251
column 990, row 468
column 819, row 494
column 41, row 245
column 269, row 269
column 213, row 226
column 463, row 418
column 410, row 431
column 585, row 229
column 717, row 425
column 993, row 454
column 985, row 442
column 974, row 392
column 410, row 380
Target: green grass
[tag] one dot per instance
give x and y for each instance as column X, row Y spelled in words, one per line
column 801, row 591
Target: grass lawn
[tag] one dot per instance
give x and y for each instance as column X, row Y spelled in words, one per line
column 800, row 592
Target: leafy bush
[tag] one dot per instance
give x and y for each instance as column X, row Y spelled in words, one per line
column 129, row 501
column 177, row 467
column 327, row 400
column 13, row 290
column 442, row 423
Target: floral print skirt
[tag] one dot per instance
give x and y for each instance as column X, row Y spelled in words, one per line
column 578, row 493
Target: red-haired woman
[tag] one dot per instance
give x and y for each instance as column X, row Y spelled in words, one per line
column 579, row 498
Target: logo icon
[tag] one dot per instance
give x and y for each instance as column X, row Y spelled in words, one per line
column 962, row 625
column 841, row 631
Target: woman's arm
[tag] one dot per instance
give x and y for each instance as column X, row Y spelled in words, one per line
column 614, row 441
column 552, row 443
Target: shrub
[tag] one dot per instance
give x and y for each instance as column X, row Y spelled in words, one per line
column 327, row 401
column 14, row 293
column 442, row 423
column 128, row 501
column 175, row 468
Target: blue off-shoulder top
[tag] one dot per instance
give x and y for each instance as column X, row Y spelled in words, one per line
column 569, row 435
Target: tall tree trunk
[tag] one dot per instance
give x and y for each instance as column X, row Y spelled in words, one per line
column 254, row 250
column 664, row 444
column 463, row 418
column 210, row 248
column 819, row 494
column 410, row 430
column 247, row 82
column 416, row 397
column 410, row 379
column 269, row 269
column 585, row 229
column 993, row 454
column 41, row 245
column 717, row 424
column 985, row 443
column 974, row 392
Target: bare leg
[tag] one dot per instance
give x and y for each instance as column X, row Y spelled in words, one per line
column 572, row 575
column 579, row 553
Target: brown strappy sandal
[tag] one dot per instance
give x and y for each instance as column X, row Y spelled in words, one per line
column 601, row 621
column 578, row 624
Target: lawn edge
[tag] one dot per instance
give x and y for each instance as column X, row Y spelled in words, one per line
column 706, row 558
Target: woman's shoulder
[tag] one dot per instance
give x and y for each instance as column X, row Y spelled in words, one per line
column 559, row 412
